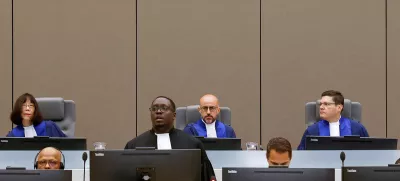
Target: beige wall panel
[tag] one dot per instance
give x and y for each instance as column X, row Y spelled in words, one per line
column 393, row 69
column 5, row 66
column 310, row 46
column 82, row 50
column 187, row 48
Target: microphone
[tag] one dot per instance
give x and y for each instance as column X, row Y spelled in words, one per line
column 213, row 178
column 342, row 157
column 84, row 158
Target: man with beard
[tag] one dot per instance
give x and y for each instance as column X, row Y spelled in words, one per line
column 164, row 136
column 208, row 126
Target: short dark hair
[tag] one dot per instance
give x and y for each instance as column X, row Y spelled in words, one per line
column 337, row 96
column 280, row 145
column 398, row 161
column 169, row 99
column 15, row 116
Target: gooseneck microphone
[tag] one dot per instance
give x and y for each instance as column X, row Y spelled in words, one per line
column 213, row 178
column 84, row 158
column 342, row 157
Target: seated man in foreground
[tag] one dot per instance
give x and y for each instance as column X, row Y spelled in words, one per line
column 279, row 152
column 208, row 126
column 49, row 158
column 163, row 135
column 332, row 123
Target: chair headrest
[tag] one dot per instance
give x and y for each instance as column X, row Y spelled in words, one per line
column 52, row 108
column 192, row 113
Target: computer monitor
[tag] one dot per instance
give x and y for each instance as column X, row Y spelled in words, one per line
column 349, row 143
column 38, row 143
column 278, row 174
column 221, row 143
column 36, row 175
column 138, row 165
column 370, row 173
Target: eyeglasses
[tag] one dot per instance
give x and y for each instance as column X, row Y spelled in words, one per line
column 28, row 106
column 51, row 163
column 206, row 108
column 326, row 103
column 162, row 108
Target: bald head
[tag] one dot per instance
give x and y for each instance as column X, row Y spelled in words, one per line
column 49, row 158
column 209, row 98
column 209, row 108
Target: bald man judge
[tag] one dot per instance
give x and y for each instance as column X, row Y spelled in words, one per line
column 208, row 125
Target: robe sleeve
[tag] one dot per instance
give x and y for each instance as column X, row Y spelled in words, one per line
column 10, row 134
column 302, row 145
column 54, row 131
column 232, row 133
column 207, row 168
column 189, row 129
column 364, row 132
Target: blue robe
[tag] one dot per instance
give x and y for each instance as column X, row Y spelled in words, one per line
column 199, row 129
column 347, row 127
column 45, row 128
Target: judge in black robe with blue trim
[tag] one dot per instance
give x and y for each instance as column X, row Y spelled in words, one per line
column 163, row 115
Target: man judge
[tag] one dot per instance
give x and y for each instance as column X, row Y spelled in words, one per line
column 163, row 135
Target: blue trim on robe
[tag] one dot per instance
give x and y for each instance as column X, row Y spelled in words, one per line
column 45, row 128
column 347, row 127
column 199, row 129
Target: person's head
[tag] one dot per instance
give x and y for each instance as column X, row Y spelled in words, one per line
column 209, row 108
column 49, row 158
column 26, row 110
column 279, row 152
column 162, row 113
column 398, row 161
column 331, row 105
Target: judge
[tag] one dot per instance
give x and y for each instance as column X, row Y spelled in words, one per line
column 208, row 126
column 163, row 135
column 26, row 115
column 332, row 123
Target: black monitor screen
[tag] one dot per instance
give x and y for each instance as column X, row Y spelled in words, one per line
column 221, row 143
column 38, row 143
column 349, row 143
column 138, row 165
column 35, row 175
column 371, row 174
column 278, row 174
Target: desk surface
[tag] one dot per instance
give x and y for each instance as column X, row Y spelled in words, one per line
column 219, row 159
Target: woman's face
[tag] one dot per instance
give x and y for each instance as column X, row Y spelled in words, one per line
column 28, row 109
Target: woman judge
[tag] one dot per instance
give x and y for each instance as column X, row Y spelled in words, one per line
column 26, row 115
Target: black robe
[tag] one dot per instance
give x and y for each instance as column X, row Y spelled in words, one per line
column 179, row 140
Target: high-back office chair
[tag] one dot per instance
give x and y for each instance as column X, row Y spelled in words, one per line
column 190, row 114
column 60, row 111
column 351, row 110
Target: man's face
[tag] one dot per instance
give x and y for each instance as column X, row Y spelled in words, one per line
column 161, row 113
column 209, row 108
column 278, row 159
column 328, row 109
column 49, row 158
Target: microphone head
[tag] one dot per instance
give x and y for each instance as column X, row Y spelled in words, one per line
column 84, row 156
column 342, row 156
